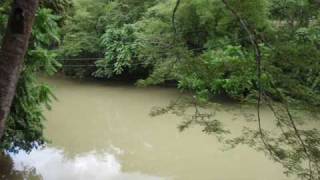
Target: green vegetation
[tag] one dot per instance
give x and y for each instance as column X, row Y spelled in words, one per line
column 210, row 53
column 24, row 127
column 207, row 50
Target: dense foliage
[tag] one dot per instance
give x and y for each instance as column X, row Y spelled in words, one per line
column 24, row 126
column 210, row 53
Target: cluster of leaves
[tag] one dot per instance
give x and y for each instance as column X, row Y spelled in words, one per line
column 232, row 69
column 91, row 28
column 24, row 126
column 120, row 52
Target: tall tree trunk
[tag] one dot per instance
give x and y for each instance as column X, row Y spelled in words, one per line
column 13, row 50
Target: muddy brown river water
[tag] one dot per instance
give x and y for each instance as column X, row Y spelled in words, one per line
column 103, row 131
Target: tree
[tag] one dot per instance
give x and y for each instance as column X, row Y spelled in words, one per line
column 13, row 50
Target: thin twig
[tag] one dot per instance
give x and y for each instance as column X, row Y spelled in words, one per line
column 257, row 52
column 174, row 16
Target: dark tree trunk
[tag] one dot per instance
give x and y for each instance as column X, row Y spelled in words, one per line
column 13, row 50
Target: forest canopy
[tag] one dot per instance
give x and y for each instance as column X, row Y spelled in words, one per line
column 209, row 53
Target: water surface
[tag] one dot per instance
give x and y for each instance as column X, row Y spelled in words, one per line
column 103, row 131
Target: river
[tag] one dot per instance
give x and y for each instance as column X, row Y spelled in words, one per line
column 103, row 131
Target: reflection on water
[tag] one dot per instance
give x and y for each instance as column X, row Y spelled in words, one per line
column 51, row 164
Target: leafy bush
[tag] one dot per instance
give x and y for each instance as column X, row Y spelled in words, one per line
column 120, row 47
column 226, row 70
column 210, row 52
column 24, row 126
